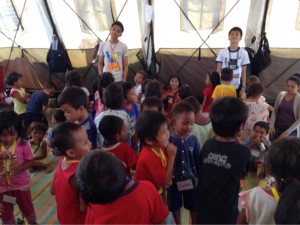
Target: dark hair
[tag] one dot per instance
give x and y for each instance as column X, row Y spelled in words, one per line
column 37, row 126
column 148, row 125
column 10, row 120
column 109, row 126
column 255, row 90
column 6, row 107
column 126, row 86
column 184, row 91
column 194, row 103
column 144, row 74
column 114, row 96
column 12, row 77
column 73, row 78
column 73, row 96
column 153, row 102
column 177, row 77
column 118, row 23
column 181, row 107
column 50, row 85
column 105, row 79
column 227, row 115
column 214, row 78
column 263, row 125
column 63, row 138
column 288, row 207
column 283, row 161
column 100, row 177
column 236, row 29
column 226, row 74
column 144, row 83
column 295, row 79
column 59, row 115
column 253, row 79
column 153, row 89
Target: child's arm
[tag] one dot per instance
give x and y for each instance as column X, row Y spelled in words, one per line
column 125, row 68
column 51, row 189
column 242, row 217
column 171, row 151
column 203, row 103
column 82, row 204
column 242, row 92
column 19, row 97
column 43, row 152
column 219, row 67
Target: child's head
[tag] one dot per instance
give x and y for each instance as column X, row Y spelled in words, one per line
column 226, row 74
column 255, row 91
column 100, row 177
column 153, row 89
column 37, row 130
column 145, row 82
column 112, row 128
column 73, row 102
column 228, row 115
column 235, row 32
column 292, row 85
column 213, row 79
column 11, row 128
column 6, row 107
column 261, row 129
column 184, row 92
column 174, row 82
column 73, row 78
column 113, row 96
column 106, row 79
column 152, row 129
column 119, row 25
column 183, row 118
column 152, row 104
column 14, row 79
column 58, row 116
column 194, row 103
column 283, row 161
column 252, row 79
column 50, row 88
column 128, row 92
column 140, row 76
column 70, row 140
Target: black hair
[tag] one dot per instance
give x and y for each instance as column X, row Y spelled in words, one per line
column 184, row 91
column 295, row 79
column 9, row 120
column 114, row 97
column 105, row 79
column 109, row 126
column 148, row 125
column 181, row 107
column 73, row 78
column 283, row 161
column 100, row 177
column 37, row 126
column 153, row 89
column 6, row 107
column 50, row 85
column 63, row 138
column 288, row 207
column 144, row 74
column 263, row 125
column 254, row 90
column 194, row 103
column 12, row 77
column 118, row 23
column 153, row 102
column 126, row 86
column 73, row 96
column 144, row 83
column 226, row 74
column 177, row 77
column 214, row 78
column 227, row 115
column 59, row 115
column 236, row 29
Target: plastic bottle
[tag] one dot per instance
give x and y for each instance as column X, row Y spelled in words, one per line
column 54, row 42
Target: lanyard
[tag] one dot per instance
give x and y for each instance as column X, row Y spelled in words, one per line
column 161, row 155
column 6, row 163
column 275, row 193
column 112, row 48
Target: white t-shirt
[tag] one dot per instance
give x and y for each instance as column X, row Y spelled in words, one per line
column 234, row 60
column 113, row 58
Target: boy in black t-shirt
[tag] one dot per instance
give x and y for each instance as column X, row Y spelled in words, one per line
column 223, row 162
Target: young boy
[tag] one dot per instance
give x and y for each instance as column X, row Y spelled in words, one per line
column 225, row 89
column 74, row 103
column 185, row 164
column 71, row 141
column 110, row 198
column 152, row 104
column 38, row 104
column 113, row 130
column 223, row 163
column 113, row 54
column 235, row 58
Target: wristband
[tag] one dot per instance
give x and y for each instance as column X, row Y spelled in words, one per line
column 243, row 85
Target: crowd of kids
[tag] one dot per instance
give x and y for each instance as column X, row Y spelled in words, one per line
column 142, row 151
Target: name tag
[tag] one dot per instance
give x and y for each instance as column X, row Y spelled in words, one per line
column 9, row 199
column 255, row 153
column 185, row 185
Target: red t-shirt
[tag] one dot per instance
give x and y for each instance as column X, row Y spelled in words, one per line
column 171, row 102
column 149, row 167
column 140, row 204
column 125, row 153
column 68, row 211
column 208, row 91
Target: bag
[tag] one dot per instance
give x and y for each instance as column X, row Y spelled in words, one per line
column 57, row 60
column 262, row 58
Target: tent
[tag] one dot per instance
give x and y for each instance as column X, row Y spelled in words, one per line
column 165, row 37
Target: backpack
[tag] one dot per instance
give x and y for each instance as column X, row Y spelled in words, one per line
column 57, row 60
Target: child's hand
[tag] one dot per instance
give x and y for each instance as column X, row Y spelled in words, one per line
column 271, row 131
column 171, row 150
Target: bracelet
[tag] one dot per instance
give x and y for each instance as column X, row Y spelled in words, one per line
column 243, row 85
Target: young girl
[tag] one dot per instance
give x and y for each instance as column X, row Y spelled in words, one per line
column 140, row 76
column 42, row 158
column 211, row 81
column 71, row 141
column 15, row 160
column 282, row 162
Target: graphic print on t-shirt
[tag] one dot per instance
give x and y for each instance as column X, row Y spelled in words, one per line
column 218, row 160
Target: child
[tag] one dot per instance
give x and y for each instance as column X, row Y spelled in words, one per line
column 153, row 89
column 223, row 162
column 153, row 104
column 73, row 102
column 282, row 162
column 42, row 158
column 71, row 140
column 38, row 104
column 17, row 93
column 184, row 92
column 202, row 128
column 113, row 199
column 154, row 163
column 185, row 164
column 211, row 81
column 171, row 94
column 15, row 160
column 113, row 54
column 145, row 82
column 58, row 116
column 74, row 79
column 235, row 58
column 140, row 76
column 112, row 128
column 113, row 98
column 224, row 89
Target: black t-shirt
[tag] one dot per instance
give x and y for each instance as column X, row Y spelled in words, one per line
column 222, row 165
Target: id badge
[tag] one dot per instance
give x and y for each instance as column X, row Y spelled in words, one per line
column 185, row 185
column 9, row 199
